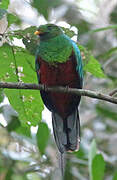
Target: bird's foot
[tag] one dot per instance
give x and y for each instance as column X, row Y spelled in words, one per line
column 44, row 87
column 66, row 88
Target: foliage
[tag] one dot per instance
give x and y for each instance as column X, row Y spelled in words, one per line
column 2, row 13
column 25, row 154
column 44, row 6
column 96, row 163
column 91, row 64
column 115, row 176
column 98, row 167
column 42, row 132
column 4, row 4
column 20, row 67
column 92, row 154
column 12, row 19
column 113, row 15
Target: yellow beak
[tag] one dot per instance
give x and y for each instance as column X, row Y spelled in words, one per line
column 37, row 32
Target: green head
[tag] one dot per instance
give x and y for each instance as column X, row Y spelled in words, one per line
column 48, row 31
column 54, row 46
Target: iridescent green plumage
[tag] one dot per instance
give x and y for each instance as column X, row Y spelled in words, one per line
column 57, row 49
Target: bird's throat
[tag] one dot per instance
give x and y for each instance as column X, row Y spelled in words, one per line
column 55, row 50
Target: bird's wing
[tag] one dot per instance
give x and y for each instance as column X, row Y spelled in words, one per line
column 79, row 67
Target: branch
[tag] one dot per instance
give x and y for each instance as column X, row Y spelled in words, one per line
column 81, row 92
column 113, row 92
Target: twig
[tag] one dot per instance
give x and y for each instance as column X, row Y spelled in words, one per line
column 81, row 92
column 16, row 69
column 109, row 61
column 113, row 92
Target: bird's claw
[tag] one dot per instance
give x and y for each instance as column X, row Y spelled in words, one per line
column 66, row 88
column 44, row 87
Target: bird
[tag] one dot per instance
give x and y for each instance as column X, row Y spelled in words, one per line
column 58, row 62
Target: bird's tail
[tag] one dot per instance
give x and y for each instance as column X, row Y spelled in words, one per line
column 67, row 131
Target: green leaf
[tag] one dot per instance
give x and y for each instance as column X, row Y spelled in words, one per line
column 10, row 173
column 6, row 60
column 28, row 32
column 23, row 130
column 2, row 13
column 68, row 32
column 96, row 163
column 4, row 4
column 15, row 126
column 98, row 167
column 44, row 6
column 27, row 103
column 94, row 67
column 12, row 19
column 115, row 176
column 29, row 39
column 90, row 63
column 31, row 45
column 92, row 154
column 113, row 15
column 42, row 136
column 82, row 25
